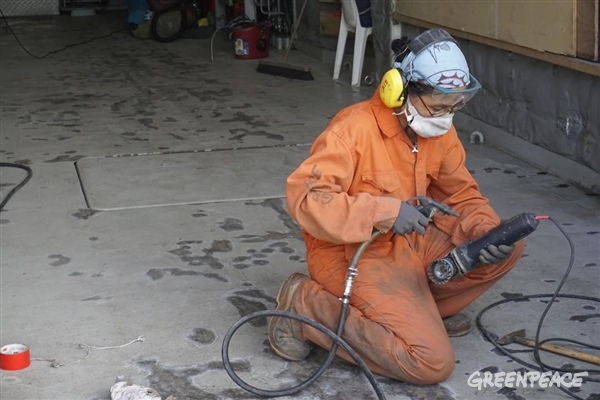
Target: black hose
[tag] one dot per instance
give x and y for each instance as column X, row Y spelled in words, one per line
column 542, row 367
column 20, row 185
column 336, row 338
column 338, row 341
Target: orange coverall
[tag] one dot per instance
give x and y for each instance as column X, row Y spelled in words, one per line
column 358, row 172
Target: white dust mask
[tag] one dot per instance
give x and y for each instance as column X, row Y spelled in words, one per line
column 426, row 127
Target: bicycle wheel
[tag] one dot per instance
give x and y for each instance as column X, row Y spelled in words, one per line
column 168, row 26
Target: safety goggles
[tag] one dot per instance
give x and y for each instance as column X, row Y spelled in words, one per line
column 441, row 101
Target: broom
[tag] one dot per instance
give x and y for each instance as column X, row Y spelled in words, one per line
column 284, row 69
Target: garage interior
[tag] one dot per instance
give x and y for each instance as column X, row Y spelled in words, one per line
column 155, row 217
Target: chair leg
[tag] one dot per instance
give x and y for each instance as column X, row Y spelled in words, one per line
column 360, row 45
column 395, row 34
column 341, row 47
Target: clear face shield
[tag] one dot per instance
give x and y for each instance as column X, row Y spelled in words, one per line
column 439, row 99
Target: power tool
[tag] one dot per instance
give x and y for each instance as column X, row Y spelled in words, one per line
column 465, row 257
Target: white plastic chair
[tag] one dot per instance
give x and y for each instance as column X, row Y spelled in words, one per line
column 350, row 23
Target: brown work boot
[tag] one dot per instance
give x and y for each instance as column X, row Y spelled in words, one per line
column 457, row 325
column 281, row 334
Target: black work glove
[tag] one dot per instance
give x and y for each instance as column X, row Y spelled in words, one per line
column 409, row 219
column 495, row 255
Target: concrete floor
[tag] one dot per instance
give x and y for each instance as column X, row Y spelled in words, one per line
column 182, row 275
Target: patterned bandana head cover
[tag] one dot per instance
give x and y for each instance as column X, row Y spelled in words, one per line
column 442, row 64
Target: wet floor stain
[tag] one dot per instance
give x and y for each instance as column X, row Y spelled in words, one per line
column 176, row 137
column 510, row 393
column 493, row 369
column 569, row 366
column 246, row 306
column 4, row 221
column 492, row 335
column 346, row 381
column 93, row 239
column 202, row 336
column 491, row 169
column 548, row 301
column 24, row 161
column 75, row 274
column 593, row 232
column 246, row 120
column 98, row 275
column 84, row 213
column 178, row 381
column 240, row 134
column 583, row 317
column 59, row 260
column 514, row 296
column 187, row 255
column 159, row 273
column 278, row 206
column 147, row 122
column 231, row 224
column 262, row 238
column 591, row 265
column 199, row 214
column 133, row 136
column 219, row 246
column 588, row 307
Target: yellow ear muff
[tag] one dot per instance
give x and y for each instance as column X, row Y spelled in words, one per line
column 393, row 88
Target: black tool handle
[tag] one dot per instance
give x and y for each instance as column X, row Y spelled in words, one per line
column 507, row 233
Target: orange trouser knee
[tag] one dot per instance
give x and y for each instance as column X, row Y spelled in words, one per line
column 395, row 315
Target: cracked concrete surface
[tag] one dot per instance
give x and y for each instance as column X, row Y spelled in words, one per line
column 182, row 275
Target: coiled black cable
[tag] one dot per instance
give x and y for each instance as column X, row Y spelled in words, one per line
column 335, row 337
column 337, row 342
column 54, row 51
column 20, row 185
column 182, row 27
column 542, row 367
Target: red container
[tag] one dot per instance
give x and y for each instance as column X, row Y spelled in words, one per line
column 251, row 42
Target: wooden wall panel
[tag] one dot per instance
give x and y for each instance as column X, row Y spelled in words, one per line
column 539, row 25
column 543, row 25
column 473, row 16
column 587, row 20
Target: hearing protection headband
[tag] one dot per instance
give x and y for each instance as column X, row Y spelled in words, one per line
column 429, row 38
column 393, row 89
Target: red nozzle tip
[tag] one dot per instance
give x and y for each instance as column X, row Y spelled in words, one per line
column 538, row 217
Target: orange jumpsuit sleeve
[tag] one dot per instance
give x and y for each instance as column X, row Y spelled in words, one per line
column 456, row 187
column 318, row 199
